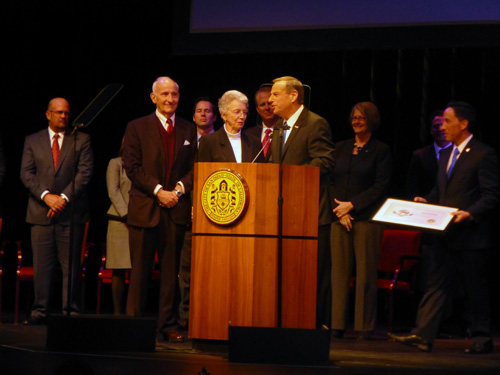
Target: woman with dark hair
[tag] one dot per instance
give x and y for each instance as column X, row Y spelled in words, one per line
column 117, row 245
column 361, row 178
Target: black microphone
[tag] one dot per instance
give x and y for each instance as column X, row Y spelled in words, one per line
column 263, row 147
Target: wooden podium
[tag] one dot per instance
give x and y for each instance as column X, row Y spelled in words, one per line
column 234, row 267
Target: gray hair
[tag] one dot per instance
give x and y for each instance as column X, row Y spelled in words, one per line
column 228, row 97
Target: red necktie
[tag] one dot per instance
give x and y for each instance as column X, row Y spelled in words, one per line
column 55, row 149
column 170, row 127
column 265, row 141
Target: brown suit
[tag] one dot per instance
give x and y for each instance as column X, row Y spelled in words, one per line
column 151, row 226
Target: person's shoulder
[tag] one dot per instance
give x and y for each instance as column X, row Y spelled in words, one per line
column 183, row 122
column 38, row 133
column 475, row 143
column 144, row 119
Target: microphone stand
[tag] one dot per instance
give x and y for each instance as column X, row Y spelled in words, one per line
column 280, row 219
column 263, row 147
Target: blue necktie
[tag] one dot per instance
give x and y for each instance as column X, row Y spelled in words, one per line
column 453, row 160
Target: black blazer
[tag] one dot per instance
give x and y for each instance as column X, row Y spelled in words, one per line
column 473, row 186
column 216, row 147
column 361, row 179
column 309, row 143
column 256, row 132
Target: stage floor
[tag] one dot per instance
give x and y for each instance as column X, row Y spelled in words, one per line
column 23, row 351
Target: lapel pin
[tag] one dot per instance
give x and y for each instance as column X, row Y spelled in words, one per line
column 467, row 149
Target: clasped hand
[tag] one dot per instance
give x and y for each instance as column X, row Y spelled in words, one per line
column 167, row 198
column 56, row 204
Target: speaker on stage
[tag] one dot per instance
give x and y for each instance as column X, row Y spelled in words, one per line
column 96, row 333
column 290, row 346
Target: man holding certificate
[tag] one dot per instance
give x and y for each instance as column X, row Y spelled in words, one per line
column 468, row 179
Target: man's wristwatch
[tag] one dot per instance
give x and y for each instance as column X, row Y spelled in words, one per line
column 178, row 193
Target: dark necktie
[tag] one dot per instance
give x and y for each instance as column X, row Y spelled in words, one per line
column 453, row 161
column 265, row 141
column 55, row 149
column 170, row 127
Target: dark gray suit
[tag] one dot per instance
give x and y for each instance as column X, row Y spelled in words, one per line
column 50, row 237
column 473, row 186
column 310, row 144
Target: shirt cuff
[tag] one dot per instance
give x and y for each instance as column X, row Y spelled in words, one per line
column 44, row 194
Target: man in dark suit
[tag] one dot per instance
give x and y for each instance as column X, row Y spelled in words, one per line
column 423, row 167
column 47, row 170
column 308, row 141
column 468, row 179
column 158, row 156
column 264, row 129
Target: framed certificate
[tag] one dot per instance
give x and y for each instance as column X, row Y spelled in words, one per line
column 414, row 214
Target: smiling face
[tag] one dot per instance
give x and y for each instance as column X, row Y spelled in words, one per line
column 235, row 116
column 359, row 123
column 166, row 96
column 264, row 108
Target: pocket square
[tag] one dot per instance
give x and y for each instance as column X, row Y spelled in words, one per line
column 186, row 143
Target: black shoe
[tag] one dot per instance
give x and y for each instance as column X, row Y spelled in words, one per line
column 35, row 321
column 480, row 347
column 412, row 340
column 364, row 335
column 183, row 325
column 337, row 333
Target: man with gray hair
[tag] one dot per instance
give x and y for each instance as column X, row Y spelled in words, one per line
column 158, row 157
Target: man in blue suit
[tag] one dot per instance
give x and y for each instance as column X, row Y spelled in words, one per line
column 467, row 179
column 47, row 172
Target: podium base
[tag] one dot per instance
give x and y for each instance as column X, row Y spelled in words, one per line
column 291, row 346
column 100, row 333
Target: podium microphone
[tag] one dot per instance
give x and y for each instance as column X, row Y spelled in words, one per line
column 263, row 147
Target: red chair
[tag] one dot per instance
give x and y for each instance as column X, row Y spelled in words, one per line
column 399, row 253
column 25, row 272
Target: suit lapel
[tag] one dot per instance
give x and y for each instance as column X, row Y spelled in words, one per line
column 301, row 121
column 66, row 148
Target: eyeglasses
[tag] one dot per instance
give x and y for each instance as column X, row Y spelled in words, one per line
column 238, row 112
column 358, row 118
column 60, row 113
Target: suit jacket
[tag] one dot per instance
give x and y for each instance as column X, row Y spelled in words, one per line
column 422, row 172
column 310, row 144
column 216, row 147
column 144, row 160
column 362, row 179
column 256, row 132
column 38, row 175
column 118, row 187
column 473, row 186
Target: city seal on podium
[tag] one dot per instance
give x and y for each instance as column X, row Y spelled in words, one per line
column 224, row 196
